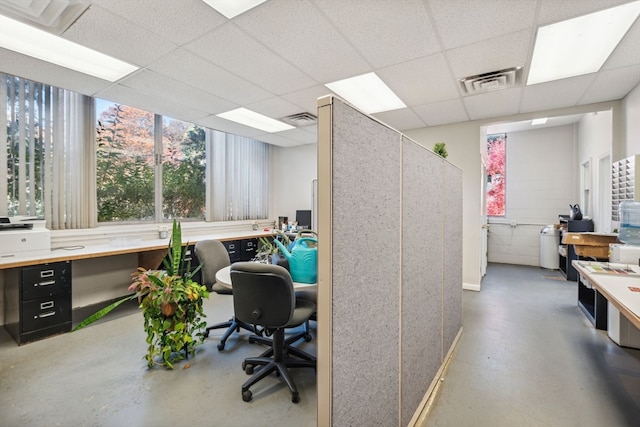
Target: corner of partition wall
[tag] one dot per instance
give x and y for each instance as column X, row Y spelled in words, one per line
column 325, row 178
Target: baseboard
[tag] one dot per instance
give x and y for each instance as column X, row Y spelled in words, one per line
column 422, row 412
column 471, row 287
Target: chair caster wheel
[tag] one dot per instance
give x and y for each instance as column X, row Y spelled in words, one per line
column 249, row 370
column 247, row 395
column 295, row 397
column 221, row 346
column 206, row 334
column 307, row 337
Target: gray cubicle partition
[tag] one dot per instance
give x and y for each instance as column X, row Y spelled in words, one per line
column 390, row 269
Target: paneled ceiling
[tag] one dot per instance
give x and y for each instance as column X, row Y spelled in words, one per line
column 276, row 58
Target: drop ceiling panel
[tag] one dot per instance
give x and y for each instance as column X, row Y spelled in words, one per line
column 442, row 113
column 109, row 33
column 124, row 95
column 480, row 20
column 627, row 52
column 177, row 21
column 389, row 33
column 217, row 123
column 276, row 107
column 556, row 94
column 302, row 35
column 176, row 92
column 404, row 118
column 420, row 80
column 552, row 11
column 491, row 104
column 614, row 83
column 307, row 99
column 196, row 71
column 491, row 55
column 233, row 50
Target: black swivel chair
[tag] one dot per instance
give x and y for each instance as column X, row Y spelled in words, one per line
column 213, row 256
column 263, row 294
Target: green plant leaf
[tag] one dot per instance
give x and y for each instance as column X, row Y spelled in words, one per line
column 101, row 313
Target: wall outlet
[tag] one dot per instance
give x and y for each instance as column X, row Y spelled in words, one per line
column 513, row 223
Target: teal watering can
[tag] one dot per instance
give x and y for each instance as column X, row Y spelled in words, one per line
column 303, row 259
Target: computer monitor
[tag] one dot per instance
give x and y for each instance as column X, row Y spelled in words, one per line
column 303, row 218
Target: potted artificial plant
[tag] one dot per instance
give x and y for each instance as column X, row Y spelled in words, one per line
column 171, row 303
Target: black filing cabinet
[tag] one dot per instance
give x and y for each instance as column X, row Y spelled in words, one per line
column 249, row 248
column 37, row 301
column 234, row 249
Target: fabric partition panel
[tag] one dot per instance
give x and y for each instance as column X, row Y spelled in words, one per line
column 389, row 296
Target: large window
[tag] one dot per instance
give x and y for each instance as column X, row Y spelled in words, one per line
column 496, row 174
column 75, row 161
column 45, row 154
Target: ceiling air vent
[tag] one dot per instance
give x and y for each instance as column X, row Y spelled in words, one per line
column 495, row 80
column 300, row 119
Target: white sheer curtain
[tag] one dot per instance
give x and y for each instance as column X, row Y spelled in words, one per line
column 50, row 167
column 237, row 177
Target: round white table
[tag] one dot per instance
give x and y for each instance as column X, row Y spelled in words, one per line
column 223, row 276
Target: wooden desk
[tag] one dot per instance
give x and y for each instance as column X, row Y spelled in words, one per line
column 615, row 289
column 223, row 276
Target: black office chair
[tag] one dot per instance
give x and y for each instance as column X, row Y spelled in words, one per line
column 263, row 295
column 213, row 256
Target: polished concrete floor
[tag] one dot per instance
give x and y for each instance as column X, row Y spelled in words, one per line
column 527, row 357
column 97, row 377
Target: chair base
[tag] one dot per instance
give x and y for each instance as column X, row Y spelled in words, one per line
column 277, row 359
column 233, row 325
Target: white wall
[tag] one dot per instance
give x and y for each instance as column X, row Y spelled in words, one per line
column 293, row 170
column 630, row 126
column 541, row 182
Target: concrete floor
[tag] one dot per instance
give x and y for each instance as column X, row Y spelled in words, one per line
column 527, row 357
column 97, row 377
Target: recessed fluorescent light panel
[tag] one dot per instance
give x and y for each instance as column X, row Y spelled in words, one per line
column 580, row 45
column 233, row 8
column 39, row 44
column 367, row 92
column 255, row 120
column 537, row 122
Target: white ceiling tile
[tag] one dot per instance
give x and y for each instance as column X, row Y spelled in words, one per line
column 233, row 50
column 612, row 85
column 177, row 92
column 402, row 119
column 194, row 70
column 491, row 55
column 307, row 99
column 551, row 11
column 110, row 34
column 627, row 52
column 461, row 23
column 276, row 108
column 285, row 139
column 556, row 94
column 491, row 104
column 127, row 96
column 421, row 80
column 389, row 33
column 177, row 21
column 442, row 113
column 302, row 35
column 45, row 72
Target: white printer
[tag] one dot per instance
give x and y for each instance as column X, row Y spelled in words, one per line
column 23, row 235
column 624, row 254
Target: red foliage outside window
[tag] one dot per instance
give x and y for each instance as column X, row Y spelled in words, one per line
column 496, row 174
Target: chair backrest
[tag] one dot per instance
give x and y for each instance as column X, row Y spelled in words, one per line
column 262, row 294
column 213, row 256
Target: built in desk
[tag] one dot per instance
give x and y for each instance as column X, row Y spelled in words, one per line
column 38, row 287
column 610, row 299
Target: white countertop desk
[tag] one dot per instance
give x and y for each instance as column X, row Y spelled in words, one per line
column 615, row 288
column 223, row 276
column 150, row 252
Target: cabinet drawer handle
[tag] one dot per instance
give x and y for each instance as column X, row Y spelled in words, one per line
column 49, row 314
column 50, row 282
column 46, row 273
column 45, row 305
